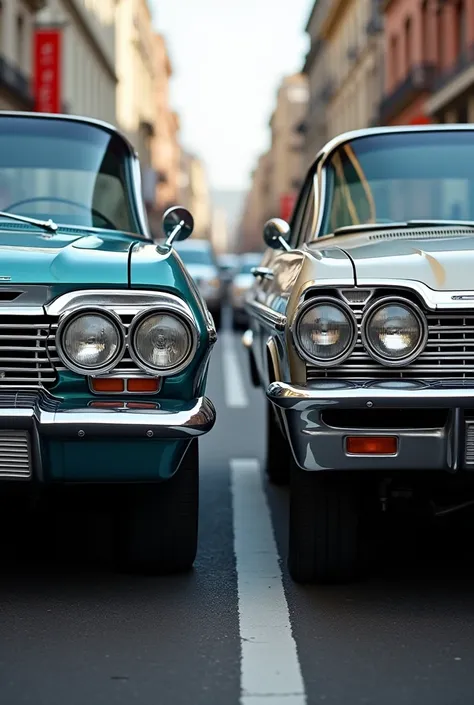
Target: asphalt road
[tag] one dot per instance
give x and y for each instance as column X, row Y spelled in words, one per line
column 235, row 630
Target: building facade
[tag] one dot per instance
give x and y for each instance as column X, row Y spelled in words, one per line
column 136, row 90
column 287, row 144
column 344, row 67
column 87, row 55
column 17, row 21
column 165, row 144
column 194, row 193
column 450, row 36
column 257, row 207
column 354, row 80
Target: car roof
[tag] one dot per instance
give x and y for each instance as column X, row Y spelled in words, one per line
column 344, row 137
column 70, row 118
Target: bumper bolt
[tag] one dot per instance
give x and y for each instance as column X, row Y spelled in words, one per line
column 149, row 434
column 81, row 434
column 370, row 404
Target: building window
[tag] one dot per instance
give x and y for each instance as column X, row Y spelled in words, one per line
column 20, row 40
column 408, row 46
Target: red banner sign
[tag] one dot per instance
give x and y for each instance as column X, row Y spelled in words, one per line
column 47, row 70
column 287, row 203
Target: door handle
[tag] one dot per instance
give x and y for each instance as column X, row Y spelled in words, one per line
column 263, row 272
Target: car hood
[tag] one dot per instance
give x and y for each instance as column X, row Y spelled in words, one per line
column 443, row 263
column 40, row 258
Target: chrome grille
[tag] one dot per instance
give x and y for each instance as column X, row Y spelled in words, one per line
column 449, row 353
column 24, row 358
column 15, row 455
column 469, row 452
column 125, row 367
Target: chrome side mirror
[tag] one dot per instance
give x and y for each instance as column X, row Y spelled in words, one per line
column 178, row 224
column 276, row 233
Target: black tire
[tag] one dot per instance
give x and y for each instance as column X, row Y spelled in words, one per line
column 324, row 535
column 278, row 453
column 157, row 527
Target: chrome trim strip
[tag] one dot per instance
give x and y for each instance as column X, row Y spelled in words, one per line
column 433, row 300
column 352, row 395
column 266, row 314
column 122, row 301
column 423, row 338
column 187, row 320
column 310, row 303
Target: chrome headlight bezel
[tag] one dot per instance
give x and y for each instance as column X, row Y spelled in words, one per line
column 294, row 329
column 69, row 317
column 413, row 309
column 185, row 320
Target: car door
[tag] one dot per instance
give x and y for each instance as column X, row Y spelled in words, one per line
column 272, row 292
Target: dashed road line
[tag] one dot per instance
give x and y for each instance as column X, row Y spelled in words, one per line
column 234, row 385
column 270, row 669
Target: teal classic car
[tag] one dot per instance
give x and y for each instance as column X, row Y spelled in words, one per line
column 104, row 338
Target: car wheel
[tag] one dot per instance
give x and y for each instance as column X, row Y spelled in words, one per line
column 157, row 527
column 278, row 453
column 324, row 535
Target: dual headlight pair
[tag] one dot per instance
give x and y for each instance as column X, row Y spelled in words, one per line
column 93, row 342
column 393, row 331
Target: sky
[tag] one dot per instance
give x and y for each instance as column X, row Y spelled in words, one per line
column 229, row 57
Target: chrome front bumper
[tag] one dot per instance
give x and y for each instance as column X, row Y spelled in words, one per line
column 72, row 440
column 318, row 446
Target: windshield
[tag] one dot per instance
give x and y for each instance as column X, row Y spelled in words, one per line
column 400, row 177
column 196, row 256
column 69, row 171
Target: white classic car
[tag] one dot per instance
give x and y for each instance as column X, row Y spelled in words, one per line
column 362, row 335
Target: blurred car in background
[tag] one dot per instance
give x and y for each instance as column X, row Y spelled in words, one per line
column 201, row 263
column 228, row 266
column 243, row 281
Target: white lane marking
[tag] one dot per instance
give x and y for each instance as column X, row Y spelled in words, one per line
column 270, row 670
column 234, row 385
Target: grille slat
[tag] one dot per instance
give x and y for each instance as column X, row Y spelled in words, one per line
column 449, row 353
column 15, row 455
column 24, row 359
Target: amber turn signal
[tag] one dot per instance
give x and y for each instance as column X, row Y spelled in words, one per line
column 145, row 384
column 372, row 445
column 113, row 384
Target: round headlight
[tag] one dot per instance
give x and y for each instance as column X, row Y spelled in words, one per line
column 89, row 342
column 394, row 332
column 325, row 332
column 161, row 342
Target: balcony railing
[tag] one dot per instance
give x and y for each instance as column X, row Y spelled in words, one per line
column 465, row 60
column 16, row 82
column 420, row 80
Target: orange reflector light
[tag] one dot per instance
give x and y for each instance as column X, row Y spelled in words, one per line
column 140, row 405
column 146, row 384
column 112, row 384
column 372, row 445
column 106, row 404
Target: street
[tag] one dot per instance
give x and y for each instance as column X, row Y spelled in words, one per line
column 236, row 629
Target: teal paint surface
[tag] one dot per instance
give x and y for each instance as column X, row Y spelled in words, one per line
column 112, row 460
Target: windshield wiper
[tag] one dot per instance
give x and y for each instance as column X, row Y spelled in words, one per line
column 48, row 225
column 348, row 229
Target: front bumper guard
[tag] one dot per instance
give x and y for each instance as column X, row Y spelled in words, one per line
column 317, row 446
column 47, row 416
